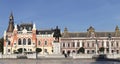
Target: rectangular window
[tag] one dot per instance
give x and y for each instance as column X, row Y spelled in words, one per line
column 45, row 50
column 93, row 44
column 73, row 44
column 63, row 44
column 88, row 44
column 78, row 44
column 45, row 42
column 83, row 44
column 8, row 50
column 102, row 44
column 117, row 44
column 68, row 44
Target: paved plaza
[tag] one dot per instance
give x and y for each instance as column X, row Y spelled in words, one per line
column 53, row 61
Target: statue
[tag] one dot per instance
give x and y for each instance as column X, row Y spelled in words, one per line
column 56, row 34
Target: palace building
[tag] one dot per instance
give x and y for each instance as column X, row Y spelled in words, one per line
column 91, row 41
column 26, row 37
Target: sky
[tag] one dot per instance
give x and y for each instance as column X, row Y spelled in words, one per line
column 76, row 15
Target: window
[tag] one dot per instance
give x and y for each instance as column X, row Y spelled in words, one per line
column 8, row 50
column 117, row 44
column 8, row 42
column 78, row 44
column 24, row 41
column 102, row 43
column 82, row 44
column 68, row 44
column 29, row 28
column 29, row 41
column 45, row 50
column 21, row 28
column 88, row 44
column 73, row 44
column 45, row 42
column 112, row 43
column 93, row 44
column 63, row 44
column 30, row 49
column 14, row 43
column 19, row 41
column 107, row 44
column 39, row 42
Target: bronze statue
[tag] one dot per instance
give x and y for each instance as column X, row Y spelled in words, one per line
column 56, row 34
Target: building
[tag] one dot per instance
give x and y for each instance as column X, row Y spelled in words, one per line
column 91, row 41
column 27, row 38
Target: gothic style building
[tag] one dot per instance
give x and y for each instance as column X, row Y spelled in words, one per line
column 91, row 41
column 26, row 37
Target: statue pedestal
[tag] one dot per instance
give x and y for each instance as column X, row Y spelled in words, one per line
column 56, row 47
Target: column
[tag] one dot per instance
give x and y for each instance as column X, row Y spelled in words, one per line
column 109, row 47
column 105, row 47
column 80, row 43
column 96, row 46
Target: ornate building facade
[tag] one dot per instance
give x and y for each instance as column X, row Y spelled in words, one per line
column 91, row 41
column 26, row 37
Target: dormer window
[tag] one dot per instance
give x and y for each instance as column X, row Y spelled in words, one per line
column 21, row 28
column 92, row 35
column 39, row 32
column 29, row 28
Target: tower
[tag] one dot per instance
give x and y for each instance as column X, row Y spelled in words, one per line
column 11, row 23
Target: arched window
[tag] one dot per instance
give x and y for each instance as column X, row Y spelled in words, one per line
column 19, row 41
column 39, row 42
column 45, row 42
column 24, row 41
column 29, row 41
column 8, row 42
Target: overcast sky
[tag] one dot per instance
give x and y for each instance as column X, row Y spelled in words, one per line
column 76, row 15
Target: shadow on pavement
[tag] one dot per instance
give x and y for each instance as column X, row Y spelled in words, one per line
column 103, row 57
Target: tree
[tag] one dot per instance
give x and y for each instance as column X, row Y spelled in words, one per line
column 1, row 44
column 81, row 50
column 101, row 49
column 20, row 50
column 38, row 50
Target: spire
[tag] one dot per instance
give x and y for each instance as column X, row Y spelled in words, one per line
column 11, row 18
column 11, row 23
column 117, row 28
column 34, row 26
